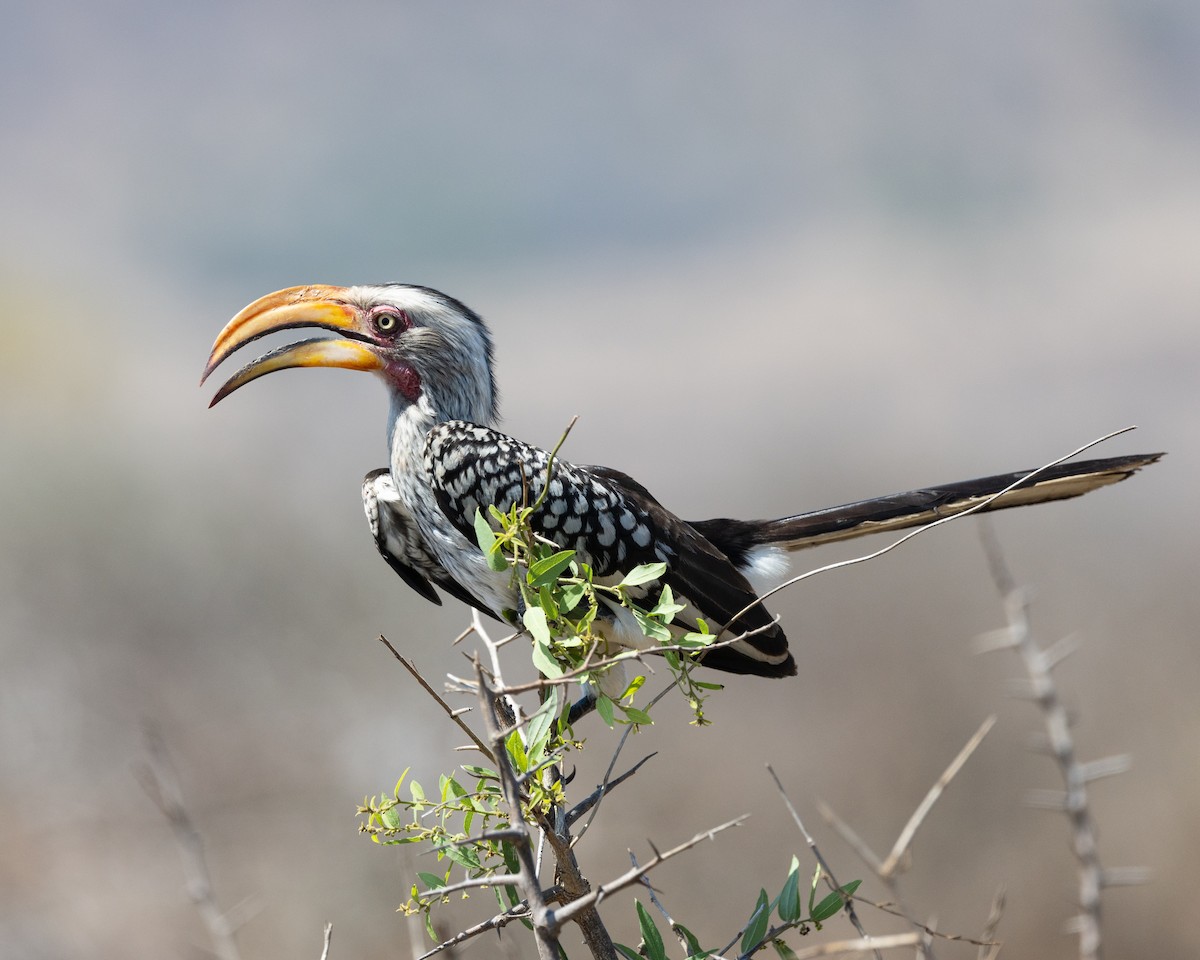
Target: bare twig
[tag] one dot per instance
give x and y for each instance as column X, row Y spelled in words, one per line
column 586, row 804
column 328, row 940
column 889, row 866
column 634, row 875
column 157, row 777
column 812, row 845
column 605, row 784
column 453, row 714
column 888, row 870
column 924, row 928
column 841, row 948
column 990, row 926
column 519, row 911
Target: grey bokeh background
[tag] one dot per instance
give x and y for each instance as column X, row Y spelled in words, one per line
column 775, row 256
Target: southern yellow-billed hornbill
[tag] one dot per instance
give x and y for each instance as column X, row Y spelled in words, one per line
column 445, row 460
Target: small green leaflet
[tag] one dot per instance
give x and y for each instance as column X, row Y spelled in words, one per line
column 570, row 595
column 545, row 572
column 789, row 897
column 604, row 707
column 643, row 574
column 535, row 622
column 785, row 952
column 655, row 950
column 544, row 660
column 540, row 722
column 627, row 952
column 431, row 880
column 651, row 627
column 485, row 536
column 666, row 606
column 464, row 856
column 834, row 902
column 635, row 715
column 757, row 927
column 516, row 751
column 693, row 945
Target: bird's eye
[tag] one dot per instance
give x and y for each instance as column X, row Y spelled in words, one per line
column 389, row 322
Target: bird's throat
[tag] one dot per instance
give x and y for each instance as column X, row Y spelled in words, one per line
column 405, row 379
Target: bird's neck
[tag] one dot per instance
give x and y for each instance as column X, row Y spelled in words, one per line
column 409, row 423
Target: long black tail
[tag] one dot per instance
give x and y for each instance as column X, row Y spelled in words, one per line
column 737, row 538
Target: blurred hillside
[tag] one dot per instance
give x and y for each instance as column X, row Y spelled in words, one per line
column 875, row 248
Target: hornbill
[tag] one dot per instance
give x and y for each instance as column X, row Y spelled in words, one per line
column 447, row 460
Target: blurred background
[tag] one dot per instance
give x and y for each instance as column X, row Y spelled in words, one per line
column 776, row 256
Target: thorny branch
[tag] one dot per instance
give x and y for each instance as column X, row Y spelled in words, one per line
column 1073, row 801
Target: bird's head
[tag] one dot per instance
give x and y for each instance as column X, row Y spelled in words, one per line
column 427, row 347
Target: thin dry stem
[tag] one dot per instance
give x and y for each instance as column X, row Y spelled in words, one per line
column 812, row 845
column 158, row 779
column 900, row 851
column 453, row 714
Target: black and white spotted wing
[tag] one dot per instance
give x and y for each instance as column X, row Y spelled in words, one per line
column 613, row 524
column 401, row 544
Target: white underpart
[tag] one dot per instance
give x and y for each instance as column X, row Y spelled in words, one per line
column 766, row 568
column 462, row 559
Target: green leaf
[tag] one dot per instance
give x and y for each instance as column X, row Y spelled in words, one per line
column 509, row 853
column 666, row 606
column 834, row 902
column 628, row 952
column 651, row 627
column 604, row 707
column 464, row 856
column 431, row 880
column 396, row 792
column 643, row 574
column 693, row 945
column 546, row 602
column 785, row 952
column 757, row 927
column 535, row 622
column 418, row 793
column 485, row 536
column 789, row 896
column 429, row 926
column 632, row 687
column 516, row 751
column 546, row 571
column 655, row 950
column 544, row 660
column 638, row 716
column 540, row 722
column 389, row 819
column 570, row 595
